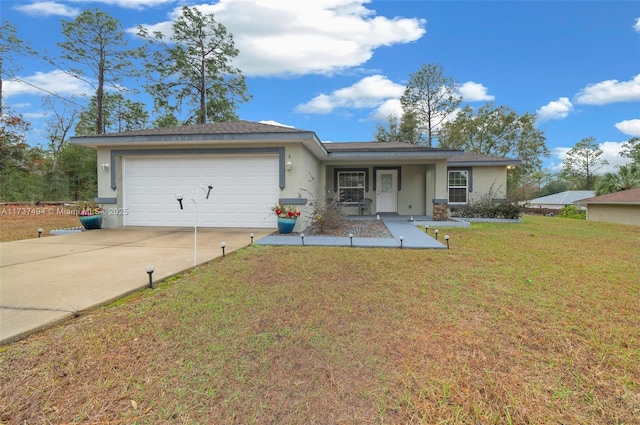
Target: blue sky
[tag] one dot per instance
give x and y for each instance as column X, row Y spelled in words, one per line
column 339, row 67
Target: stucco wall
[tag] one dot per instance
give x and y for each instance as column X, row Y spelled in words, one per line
column 622, row 214
column 412, row 198
column 487, row 179
column 304, row 180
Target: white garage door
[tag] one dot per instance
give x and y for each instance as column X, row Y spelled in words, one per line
column 244, row 190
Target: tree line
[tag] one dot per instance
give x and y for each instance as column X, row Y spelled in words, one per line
column 432, row 114
column 191, row 80
column 188, row 74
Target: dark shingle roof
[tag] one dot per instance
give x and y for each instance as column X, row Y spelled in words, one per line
column 377, row 147
column 478, row 157
column 630, row 196
column 227, row 127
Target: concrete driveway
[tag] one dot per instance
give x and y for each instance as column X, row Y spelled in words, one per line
column 46, row 280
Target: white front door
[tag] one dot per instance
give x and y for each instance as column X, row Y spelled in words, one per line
column 386, row 191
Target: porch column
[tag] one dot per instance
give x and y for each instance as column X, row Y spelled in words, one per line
column 440, row 200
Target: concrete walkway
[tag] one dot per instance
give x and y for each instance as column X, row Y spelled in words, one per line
column 400, row 228
column 46, row 280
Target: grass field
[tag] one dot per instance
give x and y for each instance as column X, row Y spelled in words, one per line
column 532, row 323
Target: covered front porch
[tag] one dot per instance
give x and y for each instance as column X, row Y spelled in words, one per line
column 397, row 178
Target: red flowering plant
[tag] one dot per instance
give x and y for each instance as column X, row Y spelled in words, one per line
column 285, row 211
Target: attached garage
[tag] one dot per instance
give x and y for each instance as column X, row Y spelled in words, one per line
column 244, row 188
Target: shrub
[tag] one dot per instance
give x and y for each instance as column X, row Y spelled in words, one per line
column 327, row 213
column 508, row 211
column 572, row 211
column 487, row 207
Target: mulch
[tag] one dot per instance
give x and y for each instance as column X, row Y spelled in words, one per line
column 359, row 229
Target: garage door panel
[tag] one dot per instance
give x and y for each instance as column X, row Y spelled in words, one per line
column 244, row 189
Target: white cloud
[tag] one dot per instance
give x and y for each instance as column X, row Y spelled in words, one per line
column 556, row 109
column 271, row 122
column 610, row 153
column 43, row 83
column 610, row 91
column 387, row 108
column 636, row 26
column 283, row 37
column 629, row 127
column 474, row 92
column 48, row 8
column 369, row 92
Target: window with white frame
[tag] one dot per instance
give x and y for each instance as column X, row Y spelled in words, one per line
column 458, row 187
column 351, row 186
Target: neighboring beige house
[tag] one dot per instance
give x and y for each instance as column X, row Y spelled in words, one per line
column 621, row 207
column 252, row 166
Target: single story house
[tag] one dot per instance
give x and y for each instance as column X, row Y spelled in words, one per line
column 559, row 200
column 620, row 207
column 231, row 174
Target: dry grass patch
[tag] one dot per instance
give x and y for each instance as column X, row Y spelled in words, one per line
column 23, row 221
column 530, row 323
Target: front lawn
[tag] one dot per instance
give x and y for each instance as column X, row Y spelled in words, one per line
column 536, row 322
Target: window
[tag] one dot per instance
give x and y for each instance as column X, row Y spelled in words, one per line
column 458, row 187
column 351, row 186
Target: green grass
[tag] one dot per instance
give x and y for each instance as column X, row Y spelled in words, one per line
column 521, row 323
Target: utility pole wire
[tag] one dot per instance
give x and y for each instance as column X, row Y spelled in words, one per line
column 46, row 91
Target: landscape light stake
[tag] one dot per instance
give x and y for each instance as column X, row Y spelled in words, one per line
column 150, row 270
column 223, row 245
column 40, row 230
column 193, row 197
column 446, row 238
column 436, row 232
column 351, row 239
column 302, row 238
column 401, row 241
column 251, row 236
column 426, row 229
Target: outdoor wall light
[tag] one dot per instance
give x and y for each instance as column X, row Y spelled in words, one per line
column 351, row 239
column 40, row 230
column 288, row 165
column 179, row 198
column 105, row 166
column 209, row 191
column 223, row 246
column 302, row 238
column 446, row 238
column 401, row 241
column 150, row 270
column 436, row 232
column 251, row 236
